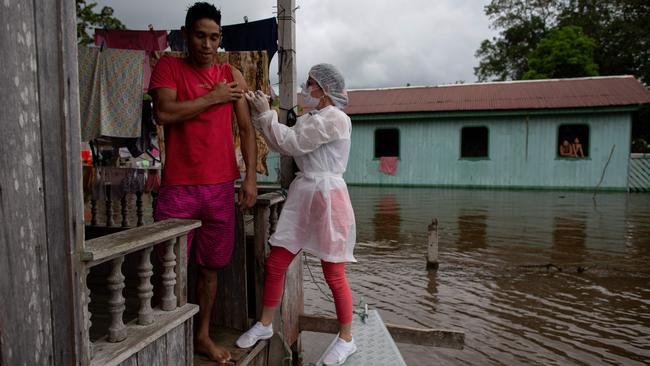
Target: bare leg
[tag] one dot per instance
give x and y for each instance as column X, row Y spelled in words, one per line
column 206, row 293
column 267, row 315
column 345, row 332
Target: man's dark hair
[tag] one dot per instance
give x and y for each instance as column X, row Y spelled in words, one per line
column 201, row 10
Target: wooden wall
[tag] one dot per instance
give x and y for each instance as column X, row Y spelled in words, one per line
column 40, row 194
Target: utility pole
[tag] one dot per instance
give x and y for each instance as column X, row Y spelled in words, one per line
column 287, row 73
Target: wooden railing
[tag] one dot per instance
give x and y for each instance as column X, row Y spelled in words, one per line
column 241, row 282
column 123, row 341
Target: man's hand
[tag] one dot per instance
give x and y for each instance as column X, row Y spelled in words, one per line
column 226, row 92
column 248, row 192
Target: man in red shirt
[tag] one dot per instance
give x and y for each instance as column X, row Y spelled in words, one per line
column 194, row 100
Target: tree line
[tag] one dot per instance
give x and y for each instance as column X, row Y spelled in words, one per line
column 541, row 39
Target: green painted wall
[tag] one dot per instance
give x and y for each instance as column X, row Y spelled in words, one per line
column 522, row 152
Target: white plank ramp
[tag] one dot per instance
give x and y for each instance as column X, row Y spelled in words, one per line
column 375, row 346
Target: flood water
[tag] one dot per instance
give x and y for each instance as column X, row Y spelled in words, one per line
column 531, row 277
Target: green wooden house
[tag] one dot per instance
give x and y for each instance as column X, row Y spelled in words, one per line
column 502, row 134
column 498, row 135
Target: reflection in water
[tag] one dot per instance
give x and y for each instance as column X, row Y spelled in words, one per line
column 387, row 219
column 472, row 230
column 511, row 315
column 569, row 235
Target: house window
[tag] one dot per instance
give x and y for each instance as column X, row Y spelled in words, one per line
column 474, row 142
column 573, row 141
column 386, row 142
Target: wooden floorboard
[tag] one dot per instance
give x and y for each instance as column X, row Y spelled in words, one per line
column 226, row 337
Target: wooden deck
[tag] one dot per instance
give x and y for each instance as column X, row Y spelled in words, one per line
column 254, row 356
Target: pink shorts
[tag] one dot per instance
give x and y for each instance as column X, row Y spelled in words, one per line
column 214, row 205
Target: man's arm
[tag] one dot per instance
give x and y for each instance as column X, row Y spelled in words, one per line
column 248, row 190
column 167, row 109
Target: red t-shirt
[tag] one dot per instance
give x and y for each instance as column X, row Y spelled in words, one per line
column 199, row 150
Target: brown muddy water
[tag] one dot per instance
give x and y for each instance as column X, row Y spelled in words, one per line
column 591, row 307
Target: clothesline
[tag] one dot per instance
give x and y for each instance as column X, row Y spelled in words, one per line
column 249, row 36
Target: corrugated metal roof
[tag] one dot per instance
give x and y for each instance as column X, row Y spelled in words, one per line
column 592, row 92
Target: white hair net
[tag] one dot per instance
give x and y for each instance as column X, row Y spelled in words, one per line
column 330, row 79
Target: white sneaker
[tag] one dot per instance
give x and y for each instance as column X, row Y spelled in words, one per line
column 339, row 352
column 257, row 332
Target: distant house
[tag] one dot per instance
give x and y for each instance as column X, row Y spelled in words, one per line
column 501, row 134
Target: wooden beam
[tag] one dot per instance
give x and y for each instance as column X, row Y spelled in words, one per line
column 128, row 241
column 401, row 334
column 270, row 199
column 287, row 73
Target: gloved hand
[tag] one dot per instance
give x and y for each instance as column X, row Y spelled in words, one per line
column 258, row 102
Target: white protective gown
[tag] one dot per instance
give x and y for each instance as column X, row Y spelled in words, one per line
column 317, row 216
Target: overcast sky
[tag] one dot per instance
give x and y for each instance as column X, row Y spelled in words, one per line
column 375, row 43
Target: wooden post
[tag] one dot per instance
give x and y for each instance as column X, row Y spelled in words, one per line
column 41, row 210
column 432, row 248
column 287, row 73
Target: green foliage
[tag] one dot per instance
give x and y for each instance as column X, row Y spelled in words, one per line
column 562, row 53
column 87, row 17
column 522, row 24
column 620, row 29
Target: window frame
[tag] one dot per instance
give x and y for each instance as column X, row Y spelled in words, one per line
column 487, row 143
column 586, row 151
column 374, row 138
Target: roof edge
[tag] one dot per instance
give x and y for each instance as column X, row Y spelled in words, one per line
column 362, row 117
column 498, row 83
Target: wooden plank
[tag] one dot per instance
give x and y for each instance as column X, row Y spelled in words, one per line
column 270, row 199
column 286, row 321
column 111, row 246
column 231, row 307
column 58, row 108
column 261, row 223
column 189, row 341
column 255, row 355
column 26, row 314
column 139, row 337
column 153, row 354
column 131, row 361
column 175, row 348
column 401, row 334
column 226, row 337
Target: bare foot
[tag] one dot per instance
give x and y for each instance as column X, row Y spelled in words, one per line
column 214, row 352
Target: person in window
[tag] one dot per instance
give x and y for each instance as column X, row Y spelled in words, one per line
column 317, row 216
column 576, row 147
column 566, row 150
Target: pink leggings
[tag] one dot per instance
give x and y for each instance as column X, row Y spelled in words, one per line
column 276, row 266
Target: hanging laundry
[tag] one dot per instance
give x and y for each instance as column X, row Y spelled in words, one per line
column 147, row 40
column 110, row 89
column 388, row 164
column 250, row 36
column 254, row 67
column 145, row 142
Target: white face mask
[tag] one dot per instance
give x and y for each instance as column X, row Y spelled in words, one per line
column 307, row 100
